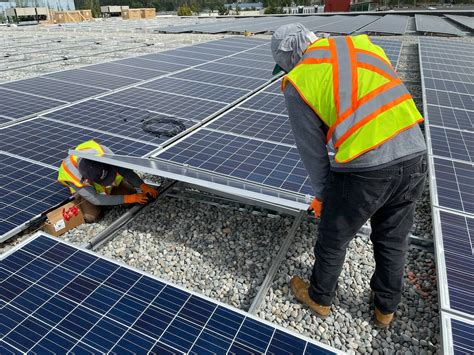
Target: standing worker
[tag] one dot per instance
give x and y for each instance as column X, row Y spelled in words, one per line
column 343, row 94
column 96, row 184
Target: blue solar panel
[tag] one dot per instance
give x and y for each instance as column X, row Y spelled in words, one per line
column 252, row 124
column 454, row 185
column 237, row 70
column 151, row 64
column 124, row 71
column 26, row 191
column 450, row 118
column 463, row 335
column 49, row 141
column 115, row 119
column 256, row 161
column 172, row 57
column 53, row 89
column 457, row 233
column 187, row 107
column 59, row 298
column 17, row 105
column 88, row 78
column 452, row 144
column 267, row 103
column 235, row 81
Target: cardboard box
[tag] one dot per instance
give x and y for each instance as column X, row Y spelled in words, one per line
column 63, row 219
column 148, row 13
column 131, row 14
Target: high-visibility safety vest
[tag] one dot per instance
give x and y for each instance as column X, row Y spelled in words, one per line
column 69, row 174
column 351, row 85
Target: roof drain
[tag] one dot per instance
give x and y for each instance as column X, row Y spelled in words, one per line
column 111, row 231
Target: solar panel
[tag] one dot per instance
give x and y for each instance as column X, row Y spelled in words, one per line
column 249, row 63
column 86, row 77
column 435, row 24
column 180, row 106
column 266, row 163
column 449, row 99
column 392, row 49
column 453, row 185
column 48, row 142
column 457, row 334
column 466, row 21
column 454, row 235
column 196, row 89
column 26, row 191
column 236, row 70
column 266, row 103
column 59, row 298
column 392, row 24
column 274, row 88
column 452, row 86
column 349, row 24
column 453, row 144
column 115, row 119
column 151, row 64
column 173, row 58
column 124, row 71
column 53, row 89
column 450, row 118
column 235, row 81
column 15, row 105
column 251, row 124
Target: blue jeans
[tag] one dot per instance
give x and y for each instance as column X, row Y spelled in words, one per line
column 386, row 196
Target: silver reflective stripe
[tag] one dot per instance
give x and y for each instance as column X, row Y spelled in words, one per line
column 72, row 168
column 344, row 68
column 368, row 59
column 318, row 54
column 367, row 108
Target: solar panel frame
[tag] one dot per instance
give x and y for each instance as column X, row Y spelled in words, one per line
column 456, row 333
column 435, row 24
column 86, row 273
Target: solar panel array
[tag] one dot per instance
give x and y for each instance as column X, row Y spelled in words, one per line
column 389, row 24
column 185, row 90
column 251, row 144
column 465, row 21
column 57, row 298
column 449, row 126
column 435, row 24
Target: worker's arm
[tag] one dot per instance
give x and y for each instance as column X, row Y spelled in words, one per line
column 309, row 133
column 130, row 176
column 89, row 193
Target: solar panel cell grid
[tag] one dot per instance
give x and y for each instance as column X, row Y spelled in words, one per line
column 447, row 75
column 266, row 163
column 190, row 108
column 267, row 103
column 448, row 67
column 53, row 89
column 450, row 118
column 28, row 139
column 26, row 190
column 86, row 77
column 454, row 185
column 172, row 57
column 196, row 89
column 236, row 70
column 220, row 79
column 450, row 99
column 458, row 237
column 152, row 64
column 115, row 119
column 452, row 86
column 452, row 144
column 166, row 320
column 14, row 105
column 124, row 71
column 266, row 126
column 463, row 333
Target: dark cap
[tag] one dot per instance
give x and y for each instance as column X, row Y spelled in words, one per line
column 94, row 171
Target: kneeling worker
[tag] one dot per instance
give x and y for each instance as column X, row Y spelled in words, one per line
column 95, row 184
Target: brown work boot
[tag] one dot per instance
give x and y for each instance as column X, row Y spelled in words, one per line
column 382, row 320
column 300, row 290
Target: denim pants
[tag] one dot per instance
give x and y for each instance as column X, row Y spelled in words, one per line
column 386, row 196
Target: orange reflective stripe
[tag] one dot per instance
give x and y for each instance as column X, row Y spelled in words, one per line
column 359, row 103
column 73, row 161
column 370, row 117
column 379, row 143
column 304, row 99
column 310, row 49
column 372, row 54
column 375, row 69
column 74, row 178
column 335, row 74
column 355, row 81
column 315, row 61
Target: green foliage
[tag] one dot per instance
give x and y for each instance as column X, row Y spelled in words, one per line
column 222, row 10
column 237, row 10
column 184, row 10
column 273, row 10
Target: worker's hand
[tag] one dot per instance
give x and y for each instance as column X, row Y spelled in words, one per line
column 135, row 198
column 315, row 206
column 147, row 189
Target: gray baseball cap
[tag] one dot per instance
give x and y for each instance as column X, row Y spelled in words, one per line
column 288, row 45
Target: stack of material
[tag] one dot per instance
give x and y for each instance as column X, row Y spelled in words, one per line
column 131, row 14
column 148, row 13
column 71, row 16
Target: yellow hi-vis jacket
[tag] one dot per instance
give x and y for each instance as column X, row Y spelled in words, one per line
column 351, row 85
column 69, row 174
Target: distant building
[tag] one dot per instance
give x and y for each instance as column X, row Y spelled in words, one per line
column 337, row 5
column 292, row 10
column 245, row 5
column 364, row 5
column 61, row 5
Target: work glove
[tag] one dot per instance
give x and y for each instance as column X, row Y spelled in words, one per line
column 147, row 189
column 135, row 198
column 315, row 207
